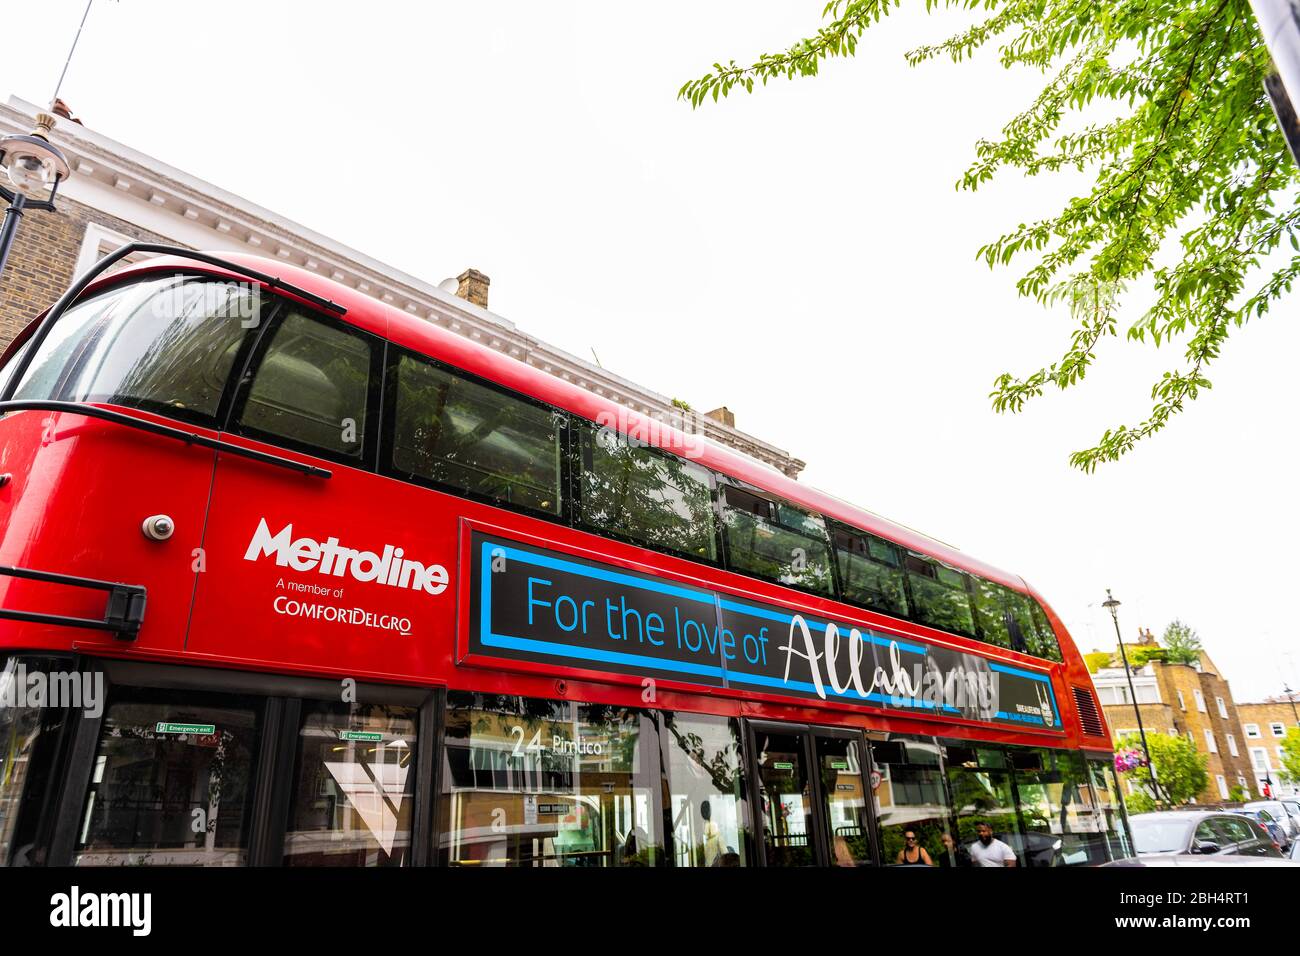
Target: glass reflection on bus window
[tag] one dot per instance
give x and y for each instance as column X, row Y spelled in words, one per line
column 706, row 787
column 354, row 786
column 785, row 798
column 839, row 761
column 451, row 431
column 549, row 783
column 172, row 782
column 979, row 782
column 311, row 388
column 776, row 540
column 167, row 345
column 1062, row 824
column 993, row 615
column 908, row 788
column 871, row 572
column 29, row 733
column 635, row 491
column 939, row 596
column 1119, row 843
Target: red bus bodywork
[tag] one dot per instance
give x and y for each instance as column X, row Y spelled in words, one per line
column 78, row 489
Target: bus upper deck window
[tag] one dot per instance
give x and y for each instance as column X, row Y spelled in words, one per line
column 165, row 345
column 776, row 540
column 311, row 387
column 452, row 432
column 639, row 492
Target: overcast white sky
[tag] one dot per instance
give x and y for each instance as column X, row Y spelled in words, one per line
column 800, row 256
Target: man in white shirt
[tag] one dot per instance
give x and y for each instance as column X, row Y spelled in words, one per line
column 987, row 851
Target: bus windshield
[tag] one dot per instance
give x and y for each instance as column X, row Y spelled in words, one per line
column 166, row 345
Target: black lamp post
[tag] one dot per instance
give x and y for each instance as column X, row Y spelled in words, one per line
column 33, row 165
column 1290, row 695
column 1112, row 605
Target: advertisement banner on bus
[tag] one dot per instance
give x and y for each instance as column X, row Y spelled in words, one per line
column 543, row 606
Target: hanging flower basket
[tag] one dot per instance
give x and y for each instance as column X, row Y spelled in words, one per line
column 1127, row 761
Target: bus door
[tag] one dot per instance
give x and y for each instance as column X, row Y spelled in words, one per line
column 811, row 802
column 981, row 791
column 844, row 805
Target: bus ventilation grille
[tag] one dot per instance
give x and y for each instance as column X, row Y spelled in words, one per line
column 1086, row 705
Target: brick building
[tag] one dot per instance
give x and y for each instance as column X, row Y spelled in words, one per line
column 1263, row 726
column 1188, row 700
column 116, row 195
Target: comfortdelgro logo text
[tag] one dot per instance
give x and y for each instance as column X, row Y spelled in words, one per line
column 329, row 557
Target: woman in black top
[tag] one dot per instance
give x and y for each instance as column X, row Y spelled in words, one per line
column 912, row 853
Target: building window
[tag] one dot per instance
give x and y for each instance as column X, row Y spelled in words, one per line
column 1182, row 701
column 1200, row 701
column 1252, row 731
column 1245, row 787
column 1232, row 745
column 98, row 242
column 1223, row 786
column 1279, row 730
column 1259, row 757
column 1223, row 708
column 1210, row 743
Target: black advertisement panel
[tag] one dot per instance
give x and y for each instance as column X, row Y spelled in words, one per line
column 533, row 604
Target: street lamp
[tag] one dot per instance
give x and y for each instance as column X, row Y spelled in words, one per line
column 1290, row 695
column 1112, row 605
column 32, row 164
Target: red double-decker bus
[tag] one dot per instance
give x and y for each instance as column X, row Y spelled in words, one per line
column 292, row 577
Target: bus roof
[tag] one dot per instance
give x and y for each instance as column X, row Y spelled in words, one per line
column 421, row 335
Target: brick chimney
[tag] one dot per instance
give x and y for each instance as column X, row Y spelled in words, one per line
column 722, row 415
column 473, row 287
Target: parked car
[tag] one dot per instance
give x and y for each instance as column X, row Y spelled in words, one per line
column 1276, row 829
column 1285, row 812
column 1201, row 833
column 1187, row 859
